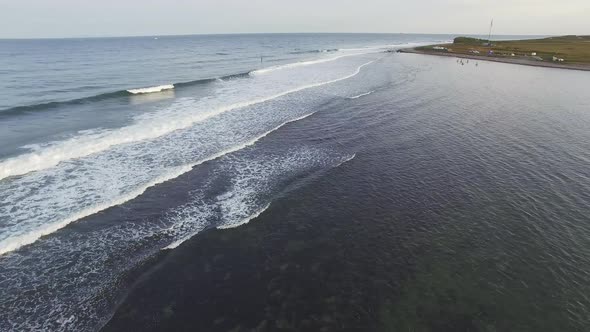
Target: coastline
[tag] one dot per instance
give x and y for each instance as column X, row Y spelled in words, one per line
column 518, row 61
column 422, row 230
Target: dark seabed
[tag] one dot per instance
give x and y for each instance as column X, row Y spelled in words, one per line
column 465, row 208
column 334, row 186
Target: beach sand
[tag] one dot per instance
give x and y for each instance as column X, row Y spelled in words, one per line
column 516, row 61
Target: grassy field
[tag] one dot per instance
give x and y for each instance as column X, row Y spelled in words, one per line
column 573, row 49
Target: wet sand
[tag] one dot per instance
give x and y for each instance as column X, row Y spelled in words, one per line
column 516, row 61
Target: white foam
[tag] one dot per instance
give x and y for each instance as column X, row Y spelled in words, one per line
column 346, row 160
column 237, row 202
column 148, row 128
column 245, row 220
column 300, row 64
column 180, row 241
column 361, row 95
column 15, row 242
column 152, row 89
column 354, row 52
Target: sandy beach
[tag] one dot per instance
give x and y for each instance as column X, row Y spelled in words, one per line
column 516, row 61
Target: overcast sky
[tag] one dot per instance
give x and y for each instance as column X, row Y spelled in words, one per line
column 76, row 18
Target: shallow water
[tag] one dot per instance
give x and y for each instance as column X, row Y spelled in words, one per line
column 464, row 209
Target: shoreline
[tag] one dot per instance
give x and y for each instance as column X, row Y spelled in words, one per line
column 518, row 61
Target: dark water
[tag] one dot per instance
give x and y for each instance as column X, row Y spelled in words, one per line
column 375, row 191
column 465, row 209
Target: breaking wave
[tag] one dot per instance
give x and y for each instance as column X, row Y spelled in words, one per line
column 152, row 89
column 361, row 95
column 81, row 146
column 109, row 95
column 18, row 241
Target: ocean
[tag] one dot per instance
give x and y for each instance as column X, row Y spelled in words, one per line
column 289, row 182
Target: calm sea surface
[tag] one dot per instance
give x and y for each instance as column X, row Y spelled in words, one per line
column 289, row 182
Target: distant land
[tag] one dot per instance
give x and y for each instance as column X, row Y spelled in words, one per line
column 567, row 52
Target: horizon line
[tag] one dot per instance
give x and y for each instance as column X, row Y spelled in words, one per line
column 274, row 33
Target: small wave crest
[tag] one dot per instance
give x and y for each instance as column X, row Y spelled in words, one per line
column 299, row 64
column 152, row 89
column 108, row 96
column 85, row 145
column 361, row 95
column 16, row 242
column 245, row 220
column 331, row 50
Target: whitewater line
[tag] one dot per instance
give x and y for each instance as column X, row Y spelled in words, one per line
column 346, row 160
column 152, row 89
column 73, row 148
column 19, row 241
column 362, row 95
column 16, row 242
column 301, row 64
column 363, row 51
column 246, row 220
column 178, row 242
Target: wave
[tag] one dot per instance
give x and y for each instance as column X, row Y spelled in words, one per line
column 19, row 241
column 245, row 220
column 152, row 89
column 106, row 96
column 252, row 216
column 361, row 95
column 300, row 64
column 252, row 142
column 89, row 144
column 315, row 51
column 346, row 160
column 16, row 242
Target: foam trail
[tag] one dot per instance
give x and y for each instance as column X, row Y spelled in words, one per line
column 152, row 89
column 19, row 241
column 90, row 144
column 178, row 242
column 362, row 95
column 245, row 220
column 301, row 64
column 16, row 242
column 346, row 160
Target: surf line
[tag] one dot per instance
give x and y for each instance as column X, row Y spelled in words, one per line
column 361, row 95
column 152, row 89
column 17, row 242
column 302, row 63
column 53, row 155
column 253, row 216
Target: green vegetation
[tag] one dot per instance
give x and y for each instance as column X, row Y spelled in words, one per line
column 573, row 49
column 469, row 41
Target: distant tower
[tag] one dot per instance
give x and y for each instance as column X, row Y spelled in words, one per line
column 490, row 34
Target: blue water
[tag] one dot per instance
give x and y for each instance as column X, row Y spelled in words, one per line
column 96, row 180
column 80, row 84
column 52, row 70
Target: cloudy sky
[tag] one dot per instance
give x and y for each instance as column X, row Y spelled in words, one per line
column 76, row 18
